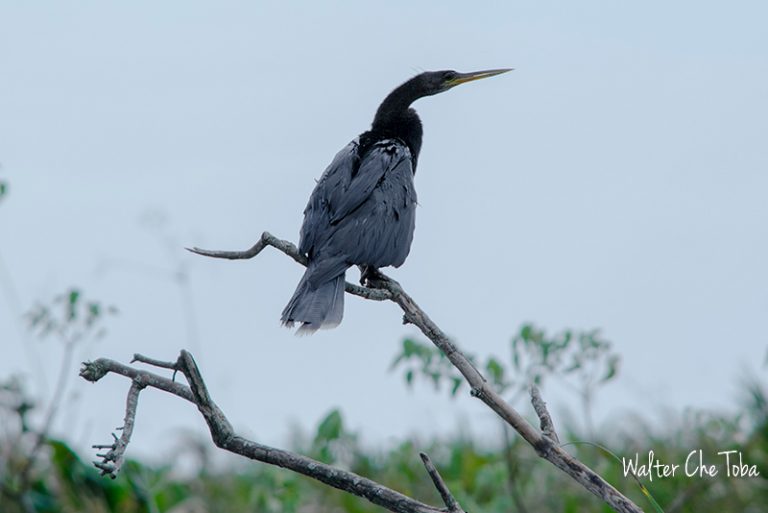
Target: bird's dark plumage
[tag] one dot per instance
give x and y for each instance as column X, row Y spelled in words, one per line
column 362, row 211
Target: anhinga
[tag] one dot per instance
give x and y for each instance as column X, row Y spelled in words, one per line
column 362, row 211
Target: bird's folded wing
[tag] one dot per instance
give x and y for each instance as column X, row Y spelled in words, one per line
column 380, row 159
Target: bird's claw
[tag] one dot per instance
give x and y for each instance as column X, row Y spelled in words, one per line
column 370, row 275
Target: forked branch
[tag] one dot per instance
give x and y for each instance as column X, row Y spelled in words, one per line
column 543, row 440
column 223, row 436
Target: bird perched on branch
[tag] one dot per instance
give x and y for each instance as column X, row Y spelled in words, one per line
column 362, row 211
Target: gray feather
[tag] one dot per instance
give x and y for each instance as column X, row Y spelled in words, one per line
column 315, row 308
column 362, row 212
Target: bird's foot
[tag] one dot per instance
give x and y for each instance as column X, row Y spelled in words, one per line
column 369, row 276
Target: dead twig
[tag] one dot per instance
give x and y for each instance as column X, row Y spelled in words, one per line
column 112, row 460
column 450, row 503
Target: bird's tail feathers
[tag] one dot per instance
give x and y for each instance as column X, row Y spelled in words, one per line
column 315, row 308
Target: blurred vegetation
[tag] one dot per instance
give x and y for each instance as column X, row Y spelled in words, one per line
column 42, row 474
column 491, row 476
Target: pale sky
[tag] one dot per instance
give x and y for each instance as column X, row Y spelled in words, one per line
column 616, row 179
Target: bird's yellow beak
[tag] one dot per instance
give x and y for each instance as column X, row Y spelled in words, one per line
column 463, row 78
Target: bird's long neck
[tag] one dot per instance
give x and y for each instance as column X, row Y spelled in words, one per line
column 395, row 118
column 396, row 104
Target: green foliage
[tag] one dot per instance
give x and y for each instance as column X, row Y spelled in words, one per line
column 332, row 441
column 582, row 354
column 584, row 359
column 479, row 474
column 3, row 189
column 70, row 317
column 425, row 360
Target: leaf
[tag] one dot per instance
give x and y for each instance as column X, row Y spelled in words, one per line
column 331, row 427
column 72, row 299
column 409, row 348
column 613, row 367
column 456, row 384
column 515, row 354
column 496, row 372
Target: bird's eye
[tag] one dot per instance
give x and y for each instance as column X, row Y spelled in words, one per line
column 449, row 75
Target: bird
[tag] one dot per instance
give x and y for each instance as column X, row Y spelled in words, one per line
column 362, row 210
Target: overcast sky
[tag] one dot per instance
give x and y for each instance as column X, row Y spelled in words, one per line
column 616, row 179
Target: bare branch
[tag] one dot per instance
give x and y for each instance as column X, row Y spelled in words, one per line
column 442, row 488
column 547, row 426
column 97, row 369
column 286, row 247
column 112, row 461
column 156, row 363
column 267, row 239
column 224, row 436
column 545, row 446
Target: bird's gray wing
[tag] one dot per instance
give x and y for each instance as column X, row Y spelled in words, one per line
column 344, row 186
column 376, row 163
column 328, row 191
column 380, row 230
column 361, row 211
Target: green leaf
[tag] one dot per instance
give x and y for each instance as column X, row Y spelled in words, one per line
column 496, row 371
column 515, row 354
column 613, row 367
column 331, row 427
column 455, row 385
column 72, row 299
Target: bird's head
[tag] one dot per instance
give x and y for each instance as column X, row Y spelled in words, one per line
column 434, row 82
column 396, row 106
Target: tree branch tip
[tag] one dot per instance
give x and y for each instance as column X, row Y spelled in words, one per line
column 545, row 419
column 92, row 371
column 451, row 504
column 137, row 357
column 196, row 250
